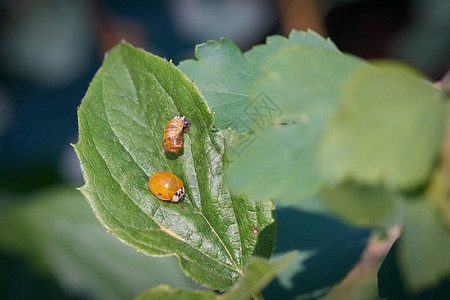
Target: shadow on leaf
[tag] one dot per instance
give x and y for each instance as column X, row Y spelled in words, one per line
column 328, row 250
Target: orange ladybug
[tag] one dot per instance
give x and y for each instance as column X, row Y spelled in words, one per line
column 173, row 133
column 166, row 186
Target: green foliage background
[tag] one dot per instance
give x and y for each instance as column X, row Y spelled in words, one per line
column 343, row 131
column 321, row 133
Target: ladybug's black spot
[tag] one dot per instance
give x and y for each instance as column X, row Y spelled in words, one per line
column 176, row 139
column 169, row 138
column 172, row 126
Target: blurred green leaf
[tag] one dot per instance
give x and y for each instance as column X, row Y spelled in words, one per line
column 121, row 121
column 165, row 292
column 223, row 74
column 304, row 82
column 438, row 192
column 424, row 247
column 387, row 129
column 258, row 54
column 288, row 175
column 259, row 273
column 281, row 161
column 361, row 205
column 438, row 189
column 56, row 230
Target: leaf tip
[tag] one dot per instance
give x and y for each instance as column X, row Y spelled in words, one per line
column 200, row 47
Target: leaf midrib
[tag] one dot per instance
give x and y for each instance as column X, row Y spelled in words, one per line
column 239, row 270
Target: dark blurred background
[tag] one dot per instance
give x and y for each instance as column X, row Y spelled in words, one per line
column 51, row 49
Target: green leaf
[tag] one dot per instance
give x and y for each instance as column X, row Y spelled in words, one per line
column 361, row 205
column 438, row 192
column 121, row 122
column 304, row 82
column 387, row 129
column 258, row 54
column 424, row 247
column 224, row 75
column 259, row 273
column 281, row 161
column 288, row 175
column 56, row 230
column 438, row 188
